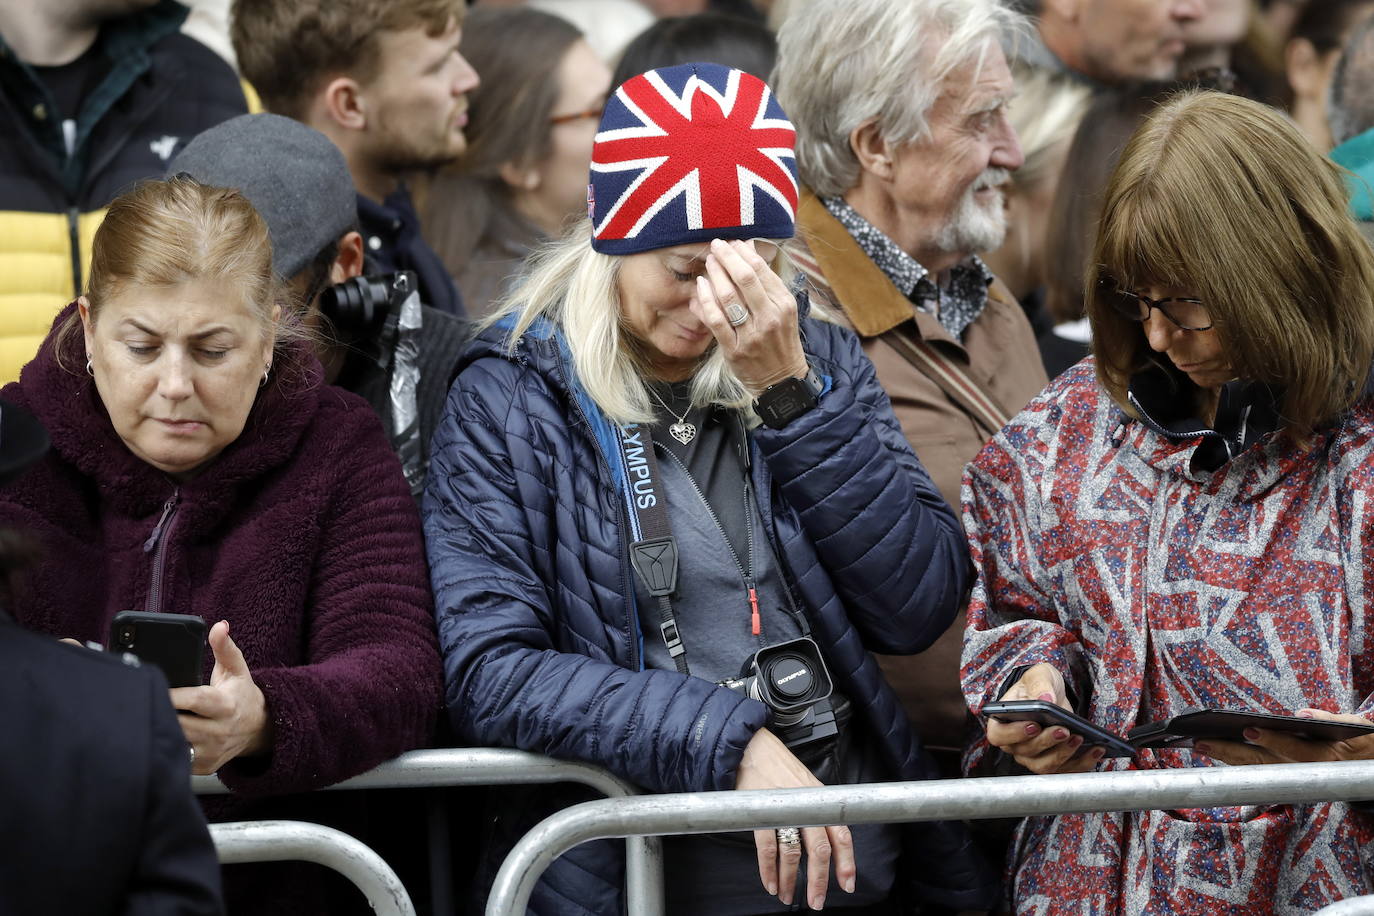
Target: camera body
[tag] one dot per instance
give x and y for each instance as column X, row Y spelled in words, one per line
column 358, row 308
column 791, row 679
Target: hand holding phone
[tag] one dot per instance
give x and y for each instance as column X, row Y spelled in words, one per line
column 173, row 642
column 1050, row 715
column 1312, row 736
column 1042, row 748
column 228, row 717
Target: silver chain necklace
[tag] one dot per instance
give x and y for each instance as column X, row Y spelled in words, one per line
column 682, row 431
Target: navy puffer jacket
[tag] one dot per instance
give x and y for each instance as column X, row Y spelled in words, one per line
column 543, row 645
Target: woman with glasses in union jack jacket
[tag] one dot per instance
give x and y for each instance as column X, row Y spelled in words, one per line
column 670, row 514
column 1183, row 522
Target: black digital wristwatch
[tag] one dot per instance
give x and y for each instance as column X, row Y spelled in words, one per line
column 782, row 403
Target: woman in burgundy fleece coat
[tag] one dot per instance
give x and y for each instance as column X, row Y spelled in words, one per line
column 199, row 466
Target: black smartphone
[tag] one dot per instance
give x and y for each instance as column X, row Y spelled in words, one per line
column 1048, row 714
column 173, row 642
column 1229, row 725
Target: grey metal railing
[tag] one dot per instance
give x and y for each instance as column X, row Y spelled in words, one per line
column 1012, row 796
column 445, row 767
column 465, row 766
column 280, row 841
column 1354, row 906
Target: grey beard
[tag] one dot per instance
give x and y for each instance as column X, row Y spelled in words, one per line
column 974, row 227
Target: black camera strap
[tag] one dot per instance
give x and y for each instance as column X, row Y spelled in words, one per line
column 654, row 550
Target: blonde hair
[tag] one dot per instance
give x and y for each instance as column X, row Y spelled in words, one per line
column 168, row 233
column 1223, row 197
column 575, row 287
column 1045, row 113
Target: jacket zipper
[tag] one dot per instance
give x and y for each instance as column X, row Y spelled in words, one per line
column 764, row 489
column 157, row 546
column 746, row 573
column 1201, row 433
column 74, row 238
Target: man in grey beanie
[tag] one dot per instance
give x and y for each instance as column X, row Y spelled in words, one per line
column 376, row 338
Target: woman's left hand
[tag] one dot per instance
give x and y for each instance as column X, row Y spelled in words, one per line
column 227, row 718
column 1269, row 746
column 766, row 348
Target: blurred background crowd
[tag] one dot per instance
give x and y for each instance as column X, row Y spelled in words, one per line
column 412, row 164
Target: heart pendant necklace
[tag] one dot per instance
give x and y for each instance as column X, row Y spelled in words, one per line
column 682, row 431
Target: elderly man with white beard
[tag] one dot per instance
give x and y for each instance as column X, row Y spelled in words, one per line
column 905, row 148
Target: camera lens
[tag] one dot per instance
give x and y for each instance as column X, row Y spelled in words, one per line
column 126, row 635
column 790, row 677
column 357, row 306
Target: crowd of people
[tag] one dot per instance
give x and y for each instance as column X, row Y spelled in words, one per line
column 731, row 394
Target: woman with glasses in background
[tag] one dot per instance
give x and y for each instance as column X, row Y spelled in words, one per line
column 531, row 126
column 1180, row 522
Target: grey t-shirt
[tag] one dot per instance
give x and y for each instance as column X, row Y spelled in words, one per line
column 721, row 544
column 717, row 533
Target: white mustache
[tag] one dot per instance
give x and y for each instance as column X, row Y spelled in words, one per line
column 992, row 178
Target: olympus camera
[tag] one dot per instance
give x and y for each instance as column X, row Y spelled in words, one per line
column 791, row 679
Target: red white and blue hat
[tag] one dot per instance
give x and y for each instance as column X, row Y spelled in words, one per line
column 689, row 154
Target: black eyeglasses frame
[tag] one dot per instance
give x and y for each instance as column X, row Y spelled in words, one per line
column 1110, row 288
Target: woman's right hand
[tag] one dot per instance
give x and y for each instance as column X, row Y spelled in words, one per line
column 1041, row 750
column 768, row 764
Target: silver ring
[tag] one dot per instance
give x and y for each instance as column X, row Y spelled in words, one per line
column 736, row 314
column 193, row 753
column 789, row 836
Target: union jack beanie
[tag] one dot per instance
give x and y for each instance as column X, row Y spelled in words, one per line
column 689, row 154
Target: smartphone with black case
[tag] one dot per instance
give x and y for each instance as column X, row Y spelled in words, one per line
column 173, row 642
column 1229, row 725
column 1047, row 714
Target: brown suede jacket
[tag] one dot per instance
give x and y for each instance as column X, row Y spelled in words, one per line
column 998, row 353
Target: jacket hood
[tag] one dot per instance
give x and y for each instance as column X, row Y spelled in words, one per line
column 65, row 400
column 538, row 348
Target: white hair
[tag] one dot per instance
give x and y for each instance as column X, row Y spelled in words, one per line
column 842, row 63
column 575, row 287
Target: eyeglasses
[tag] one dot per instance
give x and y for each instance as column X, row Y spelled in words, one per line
column 1189, row 314
column 594, row 113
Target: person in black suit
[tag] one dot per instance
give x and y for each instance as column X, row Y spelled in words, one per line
column 96, row 809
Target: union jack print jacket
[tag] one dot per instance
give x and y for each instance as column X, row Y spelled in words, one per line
column 1105, row 548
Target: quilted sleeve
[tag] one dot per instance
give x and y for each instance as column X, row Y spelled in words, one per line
column 888, row 541
column 504, row 585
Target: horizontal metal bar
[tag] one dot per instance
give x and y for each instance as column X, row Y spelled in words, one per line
column 465, row 766
column 296, row 841
column 1011, row 796
column 1353, row 906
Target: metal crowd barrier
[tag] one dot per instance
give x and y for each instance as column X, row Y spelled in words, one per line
column 279, row 841
column 446, row 767
column 1011, row 796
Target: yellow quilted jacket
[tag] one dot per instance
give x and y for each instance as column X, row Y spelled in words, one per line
column 162, row 89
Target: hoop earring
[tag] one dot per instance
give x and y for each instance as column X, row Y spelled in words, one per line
column 90, row 370
column 267, row 370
